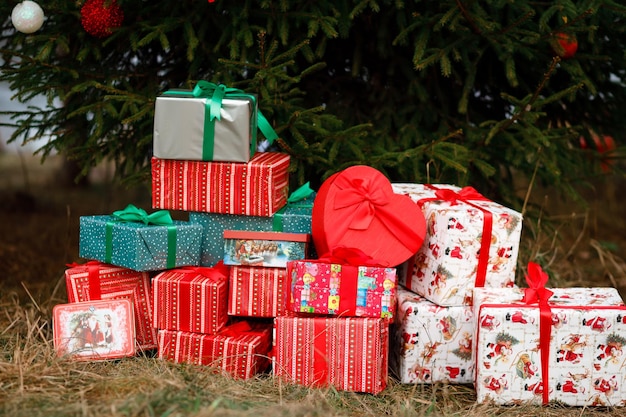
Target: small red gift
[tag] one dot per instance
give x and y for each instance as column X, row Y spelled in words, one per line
column 256, row 291
column 347, row 353
column 240, row 350
column 94, row 280
column 345, row 282
column 256, row 188
column 357, row 208
column 191, row 299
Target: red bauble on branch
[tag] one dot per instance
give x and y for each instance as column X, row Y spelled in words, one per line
column 565, row 45
column 98, row 17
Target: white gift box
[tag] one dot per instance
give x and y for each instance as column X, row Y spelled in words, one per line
column 584, row 347
column 470, row 242
column 431, row 343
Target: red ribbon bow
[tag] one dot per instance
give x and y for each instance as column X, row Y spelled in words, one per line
column 350, row 256
column 214, row 273
column 465, row 194
column 93, row 277
column 539, row 294
column 369, row 198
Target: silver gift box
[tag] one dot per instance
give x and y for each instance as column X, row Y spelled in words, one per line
column 179, row 129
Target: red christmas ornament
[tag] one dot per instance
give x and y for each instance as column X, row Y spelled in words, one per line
column 567, row 45
column 98, row 17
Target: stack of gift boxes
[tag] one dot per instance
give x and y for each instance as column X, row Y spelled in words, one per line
column 462, row 319
column 309, row 282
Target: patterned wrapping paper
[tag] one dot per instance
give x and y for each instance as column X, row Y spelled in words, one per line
column 585, row 365
column 191, row 299
column 179, row 129
column 350, row 354
column 98, row 281
column 470, row 242
column 257, row 291
column 431, row 343
column 267, row 249
column 94, row 330
column 292, row 218
column 256, row 188
column 343, row 290
column 238, row 351
column 138, row 246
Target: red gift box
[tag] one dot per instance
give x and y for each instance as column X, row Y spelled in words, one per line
column 357, row 208
column 256, row 188
column 191, row 299
column 239, row 350
column 347, row 353
column 256, row 291
column 99, row 281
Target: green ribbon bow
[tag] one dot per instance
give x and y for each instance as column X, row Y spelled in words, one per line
column 296, row 199
column 137, row 215
column 215, row 93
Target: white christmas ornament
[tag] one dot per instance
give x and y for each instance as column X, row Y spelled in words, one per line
column 27, row 16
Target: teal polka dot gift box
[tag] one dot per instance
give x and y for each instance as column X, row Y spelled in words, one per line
column 134, row 239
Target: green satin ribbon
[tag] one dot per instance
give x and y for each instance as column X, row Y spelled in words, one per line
column 215, row 93
column 296, row 199
column 137, row 215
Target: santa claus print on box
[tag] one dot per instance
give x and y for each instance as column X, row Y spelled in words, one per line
column 579, row 362
column 470, row 242
column 431, row 343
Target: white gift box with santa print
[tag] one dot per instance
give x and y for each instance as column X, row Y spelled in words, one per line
column 470, row 242
column 431, row 343
column 586, row 363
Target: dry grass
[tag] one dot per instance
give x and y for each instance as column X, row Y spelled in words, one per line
column 39, row 236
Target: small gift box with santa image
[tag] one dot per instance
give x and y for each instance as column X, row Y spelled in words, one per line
column 538, row 345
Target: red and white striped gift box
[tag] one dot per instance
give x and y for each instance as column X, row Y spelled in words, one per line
column 191, row 299
column 256, row 188
column 240, row 350
column 257, row 291
column 348, row 353
column 95, row 280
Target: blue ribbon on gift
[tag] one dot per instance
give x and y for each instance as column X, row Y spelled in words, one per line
column 214, row 94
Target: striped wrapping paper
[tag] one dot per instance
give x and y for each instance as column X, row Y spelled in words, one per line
column 190, row 301
column 257, row 291
column 94, row 280
column 238, row 353
column 349, row 353
column 256, row 188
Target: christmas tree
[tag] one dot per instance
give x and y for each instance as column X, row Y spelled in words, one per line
column 454, row 91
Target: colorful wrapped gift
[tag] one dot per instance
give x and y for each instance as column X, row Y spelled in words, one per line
column 240, row 350
column 209, row 123
column 343, row 283
column 257, row 291
column 94, row 330
column 256, row 188
column 357, row 208
column 267, row 249
column 133, row 239
column 538, row 345
column 295, row 217
column 470, row 242
column 431, row 343
column 191, row 299
column 349, row 354
column 94, row 281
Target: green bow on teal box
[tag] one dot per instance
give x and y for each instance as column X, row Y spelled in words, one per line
column 134, row 239
column 212, row 122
